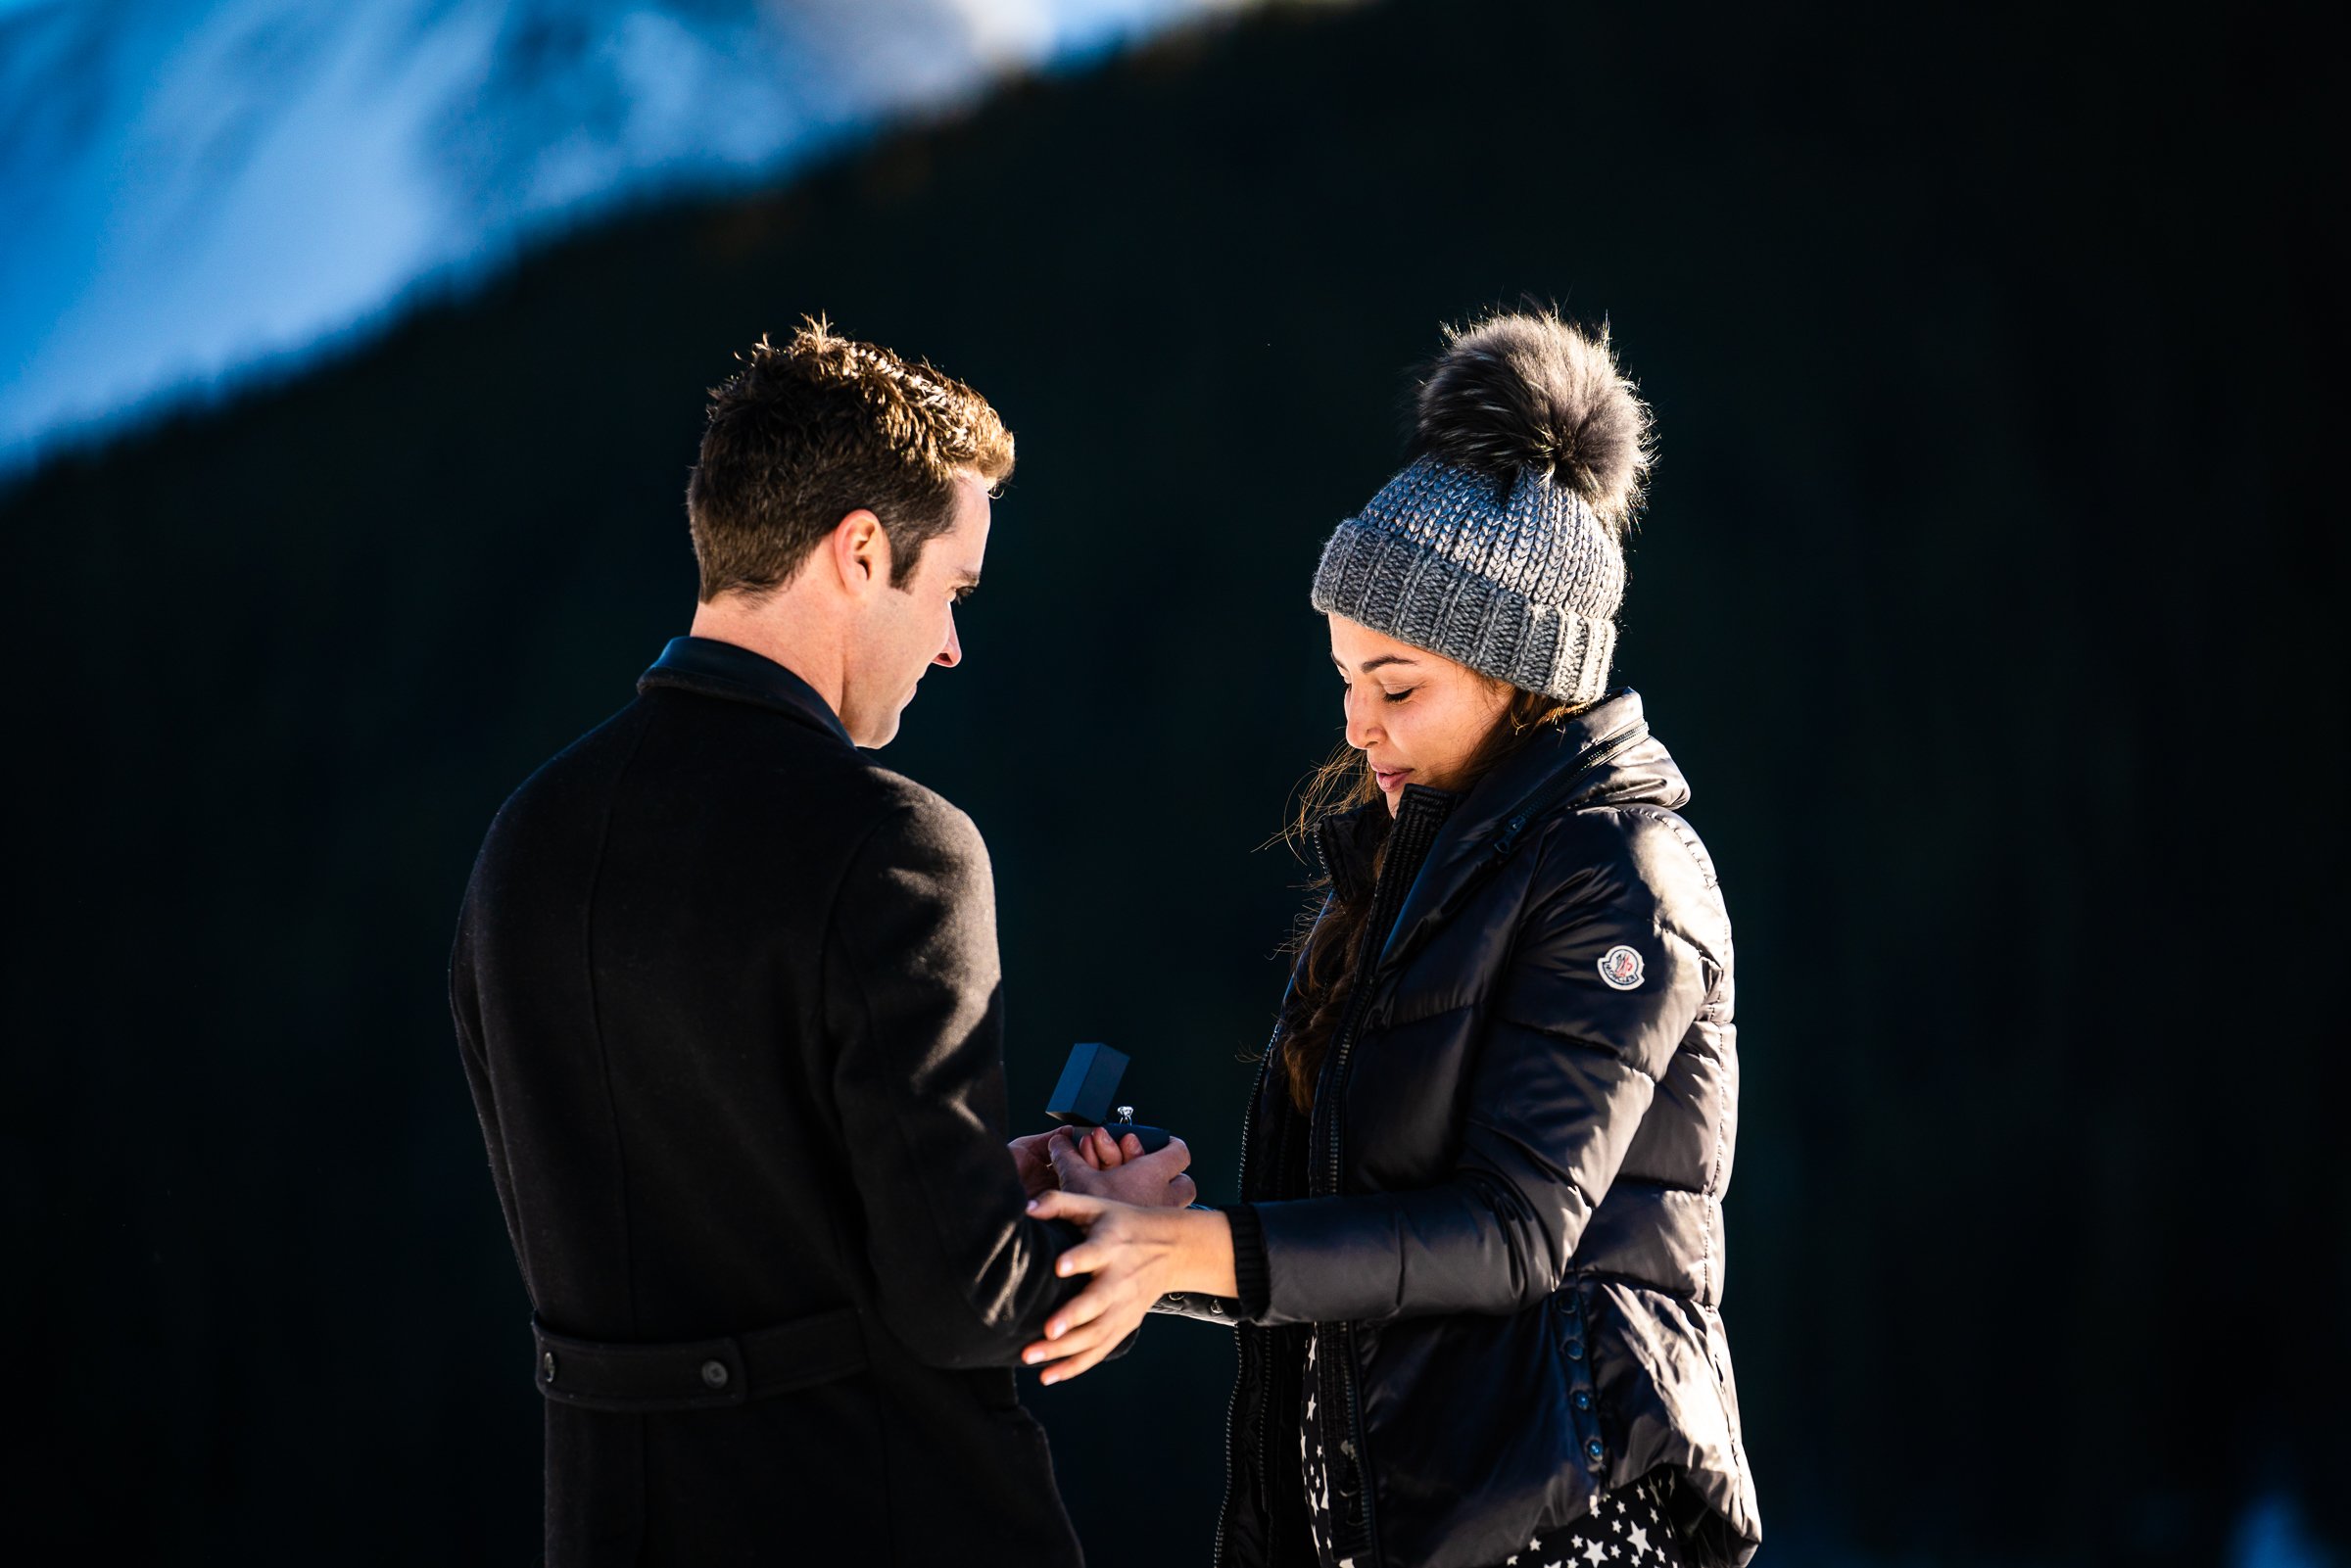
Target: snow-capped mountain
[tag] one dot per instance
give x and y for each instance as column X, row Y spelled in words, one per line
column 189, row 188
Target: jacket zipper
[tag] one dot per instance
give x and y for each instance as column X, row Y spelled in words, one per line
column 1385, row 909
column 1406, row 857
column 1232, row 1407
column 1386, row 906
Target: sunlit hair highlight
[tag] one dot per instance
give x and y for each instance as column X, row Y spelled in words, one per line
column 819, row 426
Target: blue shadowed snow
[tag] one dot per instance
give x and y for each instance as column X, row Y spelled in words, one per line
column 2272, row 1534
column 191, row 188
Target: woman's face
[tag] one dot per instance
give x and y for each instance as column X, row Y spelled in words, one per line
column 1416, row 716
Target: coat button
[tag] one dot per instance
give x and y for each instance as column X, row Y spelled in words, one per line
column 1592, row 1447
column 1575, row 1350
column 714, row 1373
column 1583, row 1400
column 547, row 1365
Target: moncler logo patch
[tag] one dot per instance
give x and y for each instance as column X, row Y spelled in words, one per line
column 1620, row 966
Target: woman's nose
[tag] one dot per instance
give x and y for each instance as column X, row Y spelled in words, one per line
column 1361, row 734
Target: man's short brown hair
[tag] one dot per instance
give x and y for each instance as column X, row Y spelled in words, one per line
column 809, row 431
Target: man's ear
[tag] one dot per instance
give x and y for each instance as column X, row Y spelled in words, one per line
column 860, row 551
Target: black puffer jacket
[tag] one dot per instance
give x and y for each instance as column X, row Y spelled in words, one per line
column 1512, row 1221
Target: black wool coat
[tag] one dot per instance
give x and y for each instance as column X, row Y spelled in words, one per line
column 1506, row 1209
column 727, row 993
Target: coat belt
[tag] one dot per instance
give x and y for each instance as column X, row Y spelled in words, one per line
column 698, row 1374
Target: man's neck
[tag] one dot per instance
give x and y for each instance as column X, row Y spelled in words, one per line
column 778, row 628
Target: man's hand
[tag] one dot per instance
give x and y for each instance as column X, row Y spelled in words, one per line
column 1034, row 1164
column 1136, row 1256
column 1096, row 1166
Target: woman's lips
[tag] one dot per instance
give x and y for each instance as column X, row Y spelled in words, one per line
column 1389, row 778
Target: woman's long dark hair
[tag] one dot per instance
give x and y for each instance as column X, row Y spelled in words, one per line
column 1328, row 947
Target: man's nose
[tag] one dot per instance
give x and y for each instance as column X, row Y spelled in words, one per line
column 952, row 654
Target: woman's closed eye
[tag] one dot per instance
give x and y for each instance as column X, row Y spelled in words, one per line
column 1399, row 696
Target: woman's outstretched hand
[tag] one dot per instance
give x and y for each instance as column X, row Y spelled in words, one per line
column 1136, row 1256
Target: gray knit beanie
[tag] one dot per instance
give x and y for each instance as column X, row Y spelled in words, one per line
column 1501, row 544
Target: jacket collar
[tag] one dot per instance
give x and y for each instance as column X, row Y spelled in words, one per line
column 718, row 669
column 1349, row 841
column 1631, row 769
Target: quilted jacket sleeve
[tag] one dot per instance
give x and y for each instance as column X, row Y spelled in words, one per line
column 1582, row 1021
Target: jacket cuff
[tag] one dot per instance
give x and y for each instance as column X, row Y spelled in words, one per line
column 1248, row 1258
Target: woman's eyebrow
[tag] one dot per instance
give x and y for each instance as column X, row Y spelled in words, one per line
column 1369, row 665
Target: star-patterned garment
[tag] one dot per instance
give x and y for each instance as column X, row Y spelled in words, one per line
column 1311, row 1461
column 1627, row 1528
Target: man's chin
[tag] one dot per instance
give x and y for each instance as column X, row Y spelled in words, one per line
column 874, row 731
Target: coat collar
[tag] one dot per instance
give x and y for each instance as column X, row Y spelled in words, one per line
column 1348, row 841
column 1636, row 770
column 718, row 669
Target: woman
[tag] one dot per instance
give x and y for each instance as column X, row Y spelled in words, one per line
column 1477, row 1267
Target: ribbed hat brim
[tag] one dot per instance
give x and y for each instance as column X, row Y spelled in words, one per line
column 1406, row 589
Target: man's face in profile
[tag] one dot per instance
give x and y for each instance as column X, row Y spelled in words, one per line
column 909, row 630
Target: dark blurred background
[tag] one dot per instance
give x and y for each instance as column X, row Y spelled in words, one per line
column 1991, row 594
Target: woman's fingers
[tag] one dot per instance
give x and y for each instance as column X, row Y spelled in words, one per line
column 1037, row 1352
column 1076, row 1342
column 1087, row 1326
column 1125, row 1255
column 1110, row 1291
column 1109, row 1233
column 1085, row 1360
column 1082, row 1309
column 1085, row 1345
column 1082, row 1258
column 1065, row 1204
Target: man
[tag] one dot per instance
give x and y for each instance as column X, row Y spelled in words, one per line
column 727, row 996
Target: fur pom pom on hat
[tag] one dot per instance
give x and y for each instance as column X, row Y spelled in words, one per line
column 1518, row 394
column 1500, row 545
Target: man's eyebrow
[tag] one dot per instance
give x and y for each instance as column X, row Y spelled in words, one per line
column 1370, row 665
